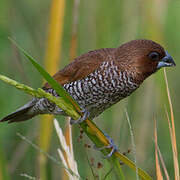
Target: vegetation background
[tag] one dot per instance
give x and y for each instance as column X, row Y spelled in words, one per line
column 99, row 24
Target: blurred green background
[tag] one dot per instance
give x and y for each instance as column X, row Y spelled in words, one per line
column 101, row 24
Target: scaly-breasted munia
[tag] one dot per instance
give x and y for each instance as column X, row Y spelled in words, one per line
column 100, row 78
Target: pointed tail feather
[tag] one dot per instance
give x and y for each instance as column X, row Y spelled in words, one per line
column 22, row 114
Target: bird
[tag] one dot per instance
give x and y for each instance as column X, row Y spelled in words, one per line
column 100, row 78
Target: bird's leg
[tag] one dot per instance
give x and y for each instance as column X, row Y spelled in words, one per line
column 111, row 146
column 81, row 119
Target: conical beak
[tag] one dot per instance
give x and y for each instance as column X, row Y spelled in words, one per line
column 166, row 61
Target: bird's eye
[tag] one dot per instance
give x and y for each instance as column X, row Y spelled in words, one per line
column 154, row 56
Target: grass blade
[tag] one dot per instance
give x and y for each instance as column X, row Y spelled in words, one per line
column 133, row 143
column 172, row 131
column 163, row 164
column 158, row 169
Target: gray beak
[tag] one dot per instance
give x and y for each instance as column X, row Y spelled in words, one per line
column 166, row 61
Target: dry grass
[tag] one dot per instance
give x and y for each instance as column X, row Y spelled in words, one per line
column 173, row 142
column 158, row 169
column 67, row 154
column 163, row 164
column 172, row 131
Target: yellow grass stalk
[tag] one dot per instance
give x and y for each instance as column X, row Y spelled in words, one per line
column 68, row 138
column 172, row 131
column 72, row 53
column 158, row 169
column 51, row 65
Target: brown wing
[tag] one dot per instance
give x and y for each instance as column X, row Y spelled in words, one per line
column 82, row 66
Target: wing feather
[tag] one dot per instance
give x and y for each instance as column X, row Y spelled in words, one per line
column 82, row 66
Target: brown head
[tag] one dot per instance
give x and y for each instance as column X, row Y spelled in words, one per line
column 142, row 58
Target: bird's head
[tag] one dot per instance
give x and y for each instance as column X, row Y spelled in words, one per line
column 143, row 57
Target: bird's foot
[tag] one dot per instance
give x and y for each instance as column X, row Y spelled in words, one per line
column 111, row 146
column 81, row 119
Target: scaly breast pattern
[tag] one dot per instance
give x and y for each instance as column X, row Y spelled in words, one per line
column 102, row 88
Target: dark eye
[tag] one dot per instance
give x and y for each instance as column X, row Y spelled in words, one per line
column 154, row 56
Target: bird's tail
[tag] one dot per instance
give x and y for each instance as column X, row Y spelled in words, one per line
column 24, row 113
